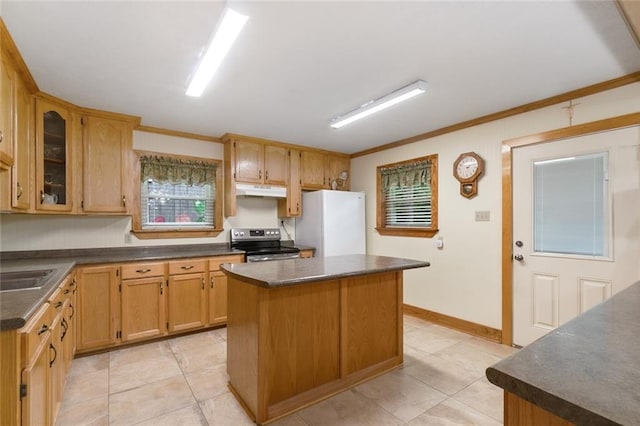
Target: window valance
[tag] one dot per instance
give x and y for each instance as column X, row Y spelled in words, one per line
column 411, row 174
column 174, row 170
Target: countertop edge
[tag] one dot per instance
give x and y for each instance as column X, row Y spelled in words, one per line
column 301, row 280
column 546, row 400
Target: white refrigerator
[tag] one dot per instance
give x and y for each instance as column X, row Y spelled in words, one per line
column 332, row 222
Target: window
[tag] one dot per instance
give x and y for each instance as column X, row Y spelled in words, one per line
column 179, row 197
column 407, row 203
column 570, row 199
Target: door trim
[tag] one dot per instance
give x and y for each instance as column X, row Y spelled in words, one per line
column 508, row 146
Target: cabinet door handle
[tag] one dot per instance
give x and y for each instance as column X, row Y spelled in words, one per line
column 211, row 282
column 203, row 283
column 161, row 288
column 66, row 291
column 266, row 175
column 41, row 197
column 1, row 137
column 124, row 201
column 19, row 186
column 73, row 311
column 59, row 305
column 187, row 267
column 43, row 329
column 259, row 174
column 55, row 354
column 143, row 271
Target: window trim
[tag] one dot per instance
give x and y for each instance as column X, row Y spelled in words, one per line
column 136, row 225
column 380, row 205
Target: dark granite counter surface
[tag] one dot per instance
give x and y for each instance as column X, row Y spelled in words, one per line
column 300, row 271
column 586, row 371
column 16, row 307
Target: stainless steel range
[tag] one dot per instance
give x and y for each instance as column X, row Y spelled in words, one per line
column 261, row 244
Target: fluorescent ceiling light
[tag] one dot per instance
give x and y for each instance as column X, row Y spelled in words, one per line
column 407, row 92
column 226, row 33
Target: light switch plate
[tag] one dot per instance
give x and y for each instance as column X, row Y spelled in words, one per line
column 483, row 216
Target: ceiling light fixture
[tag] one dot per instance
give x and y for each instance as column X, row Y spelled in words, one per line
column 228, row 29
column 371, row 107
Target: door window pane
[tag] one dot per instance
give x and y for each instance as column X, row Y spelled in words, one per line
column 570, row 205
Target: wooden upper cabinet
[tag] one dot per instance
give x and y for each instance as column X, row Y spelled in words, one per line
column 53, row 156
column 107, row 148
column 290, row 207
column 21, row 188
column 260, row 163
column 7, row 80
column 334, row 166
column 249, row 161
column 312, row 167
column 318, row 170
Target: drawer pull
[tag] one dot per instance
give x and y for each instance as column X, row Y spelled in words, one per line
column 55, row 355
column 73, row 311
column 66, row 291
column 59, row 305
column 143, row 271
column 187, row 267
column 43, row 329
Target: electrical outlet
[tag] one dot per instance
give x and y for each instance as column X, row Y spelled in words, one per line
column 483, row 216
column 127, row 238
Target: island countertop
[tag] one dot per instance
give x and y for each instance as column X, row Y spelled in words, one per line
column 300, row 271
column 586, row 371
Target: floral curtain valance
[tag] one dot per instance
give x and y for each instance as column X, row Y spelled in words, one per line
column 174, row 170
column 413, row 174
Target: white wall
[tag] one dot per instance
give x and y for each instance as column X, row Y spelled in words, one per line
column 464, row 279
column 21, row 232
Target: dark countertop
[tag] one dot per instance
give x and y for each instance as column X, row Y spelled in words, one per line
column 300, row 271
column 586, row 371
column 16, row 307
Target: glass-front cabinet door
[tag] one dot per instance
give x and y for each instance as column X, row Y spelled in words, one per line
column 53, row 153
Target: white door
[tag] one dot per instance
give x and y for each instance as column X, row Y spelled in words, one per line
column 576, row 227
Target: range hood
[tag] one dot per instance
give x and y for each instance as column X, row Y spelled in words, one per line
column 260, row 190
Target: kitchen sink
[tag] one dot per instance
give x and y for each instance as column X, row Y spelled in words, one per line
column 24, row 280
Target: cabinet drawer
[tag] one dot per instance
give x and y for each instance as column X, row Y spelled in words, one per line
column 142, row 270
column 187, row 266
column 35, row 331
column 56, row 300
column 214, row 263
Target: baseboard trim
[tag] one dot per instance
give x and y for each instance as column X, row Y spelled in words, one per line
column 468, row 327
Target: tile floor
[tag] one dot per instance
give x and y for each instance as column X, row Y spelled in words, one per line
column 183, row 381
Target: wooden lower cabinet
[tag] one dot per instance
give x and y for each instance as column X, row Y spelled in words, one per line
column 520, row 412
column 143, row 310
column 306, row 254
column 187, row 302
column 217, row 311
column 98, row 307
column 44, row 355
column 36, row 343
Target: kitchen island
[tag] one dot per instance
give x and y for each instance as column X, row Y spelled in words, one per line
column 586, row 372
column 302, row 330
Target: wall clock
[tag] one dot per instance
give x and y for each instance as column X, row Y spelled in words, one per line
column 467, row 168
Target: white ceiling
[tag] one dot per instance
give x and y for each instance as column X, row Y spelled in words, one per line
column 297, row 64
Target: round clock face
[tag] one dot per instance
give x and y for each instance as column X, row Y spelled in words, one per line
column 467, row 167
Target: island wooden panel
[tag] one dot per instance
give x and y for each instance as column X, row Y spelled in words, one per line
column 520, row 412
column 289, row 347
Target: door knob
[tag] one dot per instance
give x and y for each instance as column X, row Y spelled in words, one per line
column 519, row 257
